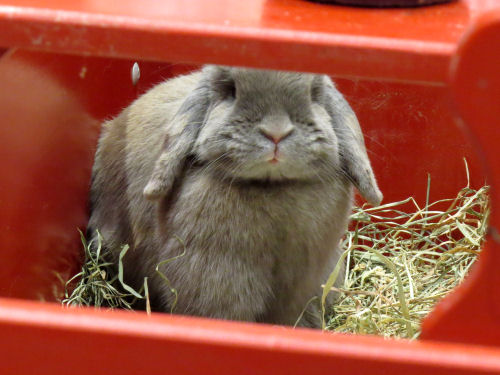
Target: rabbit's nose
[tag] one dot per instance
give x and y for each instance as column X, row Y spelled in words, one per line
column 275, row 131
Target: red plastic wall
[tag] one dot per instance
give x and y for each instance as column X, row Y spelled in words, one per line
column 52, row 106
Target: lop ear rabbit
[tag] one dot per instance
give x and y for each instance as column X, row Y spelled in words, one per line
column 248, row 174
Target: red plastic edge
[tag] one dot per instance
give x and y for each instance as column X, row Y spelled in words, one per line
column 51, row 339
column 472, row 313
column 378, row 58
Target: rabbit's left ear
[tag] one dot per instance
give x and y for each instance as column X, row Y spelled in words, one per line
column 353, row 157
column 177, row 147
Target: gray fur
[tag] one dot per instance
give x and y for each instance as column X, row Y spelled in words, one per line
column 186, row 167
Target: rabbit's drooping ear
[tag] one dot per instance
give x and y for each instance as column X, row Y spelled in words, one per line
column 352, row 151
column 178, row 145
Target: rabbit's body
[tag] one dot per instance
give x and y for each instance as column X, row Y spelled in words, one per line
column 257, row 240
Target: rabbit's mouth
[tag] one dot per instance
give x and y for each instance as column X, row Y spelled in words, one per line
column 276, row 164
column 274, row 158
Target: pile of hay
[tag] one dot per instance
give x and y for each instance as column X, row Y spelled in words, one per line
column 402, row 260
column 98, row 284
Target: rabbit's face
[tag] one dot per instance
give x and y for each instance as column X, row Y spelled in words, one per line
column 266, row 125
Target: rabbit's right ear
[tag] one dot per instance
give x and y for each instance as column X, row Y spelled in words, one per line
column 177, row 147
column 354, row 159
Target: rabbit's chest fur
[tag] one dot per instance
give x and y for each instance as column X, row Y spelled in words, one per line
column 252, row 246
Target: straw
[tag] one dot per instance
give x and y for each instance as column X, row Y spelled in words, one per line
column 402, row 262
column 98, row 283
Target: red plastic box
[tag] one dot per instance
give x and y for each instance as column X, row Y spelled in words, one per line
column 424, row 79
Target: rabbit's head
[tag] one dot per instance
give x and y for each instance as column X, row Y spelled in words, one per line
column 257, row 125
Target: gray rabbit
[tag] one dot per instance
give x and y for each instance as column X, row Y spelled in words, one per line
column 246, row 173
